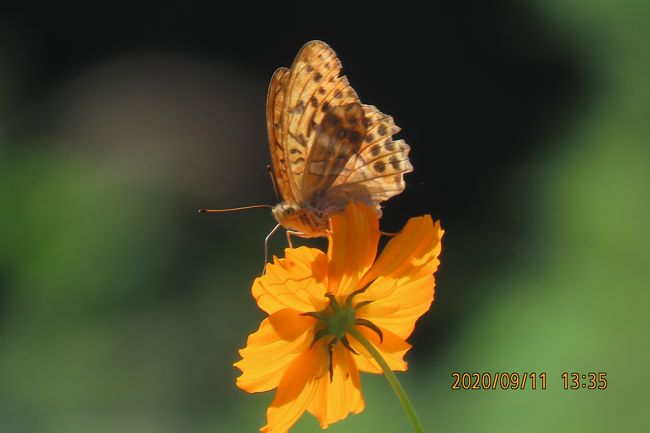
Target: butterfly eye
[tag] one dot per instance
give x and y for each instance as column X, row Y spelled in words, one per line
column 290, row 211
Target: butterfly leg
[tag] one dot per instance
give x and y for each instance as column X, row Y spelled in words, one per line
column 290, row 233
column 266, row 247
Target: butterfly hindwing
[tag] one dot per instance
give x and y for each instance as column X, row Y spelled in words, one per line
column 377, row 172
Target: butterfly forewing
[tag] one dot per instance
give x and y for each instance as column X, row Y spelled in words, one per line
column 338, row 137
column 312, row 90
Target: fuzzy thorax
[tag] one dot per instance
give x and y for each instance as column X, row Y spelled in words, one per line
column 308, row 222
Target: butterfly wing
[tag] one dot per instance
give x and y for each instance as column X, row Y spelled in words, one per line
column 316, row 99
column 328, row 148
column 274, row 107
column 376, row 172
column 338, row 137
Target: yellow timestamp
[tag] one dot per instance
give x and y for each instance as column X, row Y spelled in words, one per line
column 574, row 380
column 498, row 380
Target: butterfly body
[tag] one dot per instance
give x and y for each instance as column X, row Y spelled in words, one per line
column 309, row 222
column 327, row 148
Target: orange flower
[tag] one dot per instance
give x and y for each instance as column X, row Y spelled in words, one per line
column 315, row 302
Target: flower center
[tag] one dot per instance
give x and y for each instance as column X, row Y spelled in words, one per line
column 336, row 320
column 340, row 320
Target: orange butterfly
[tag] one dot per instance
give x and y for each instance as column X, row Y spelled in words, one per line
column 327, row 148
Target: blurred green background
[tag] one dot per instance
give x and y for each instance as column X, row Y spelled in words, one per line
column 121, row 309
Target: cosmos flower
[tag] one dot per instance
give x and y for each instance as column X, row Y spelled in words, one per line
column 325, row 309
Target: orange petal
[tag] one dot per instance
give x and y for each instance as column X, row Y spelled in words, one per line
column 337, row 397
column 403, row 289
column 352, row 247
column 278, row 341
column 296, row 390
column 399, row 311
column 392, row 348
column 298, row 281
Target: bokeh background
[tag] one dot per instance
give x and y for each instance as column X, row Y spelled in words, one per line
column 122, row 309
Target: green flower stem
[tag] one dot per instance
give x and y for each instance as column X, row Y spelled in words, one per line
column 412, row 416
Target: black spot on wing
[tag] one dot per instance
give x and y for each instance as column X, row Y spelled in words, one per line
column 394, row 162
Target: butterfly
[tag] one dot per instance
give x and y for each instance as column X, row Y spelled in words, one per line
column 327, row 148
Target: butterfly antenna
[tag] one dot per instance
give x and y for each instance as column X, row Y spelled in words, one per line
column 235, row 209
